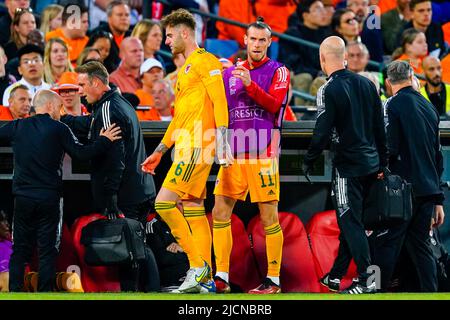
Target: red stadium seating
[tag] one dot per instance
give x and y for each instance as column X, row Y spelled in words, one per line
column 323, row 233
column 93, row 279
column 297, row 267
column 243, row 269
column 67, row 254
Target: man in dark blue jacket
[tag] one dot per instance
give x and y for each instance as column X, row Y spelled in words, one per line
column 414, row 154
column 349, row 110
column 118, row 183
column 39, row 144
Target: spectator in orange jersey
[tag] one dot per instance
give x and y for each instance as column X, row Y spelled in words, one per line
column 19, row 104
column 446, row 29
column 275, row 13
column 69, row 91
column 445, row 63
column 162, row 109
column 73, row 33
column 414, row 48
column 151, row 71
column 386, row 5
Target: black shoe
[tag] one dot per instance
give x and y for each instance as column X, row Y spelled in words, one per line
column 331, row 284
column 358, row 288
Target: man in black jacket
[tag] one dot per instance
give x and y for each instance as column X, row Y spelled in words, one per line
column 414, row 154
column 118, row 184
column 39, row 144
column 349, row 109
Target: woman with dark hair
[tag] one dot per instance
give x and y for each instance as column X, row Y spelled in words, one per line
column 88, row 54
column 345, row 25
column 413, row 49
column 23, row 23
column 102, row 41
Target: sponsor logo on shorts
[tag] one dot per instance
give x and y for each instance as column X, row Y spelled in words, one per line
column 271, row 193
column 173, row 181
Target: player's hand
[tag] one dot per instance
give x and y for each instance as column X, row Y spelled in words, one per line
column 223, row 149
column 112, row 133
column 174, row 248
column 439, row 216
column 242, row 73
column 150, row 164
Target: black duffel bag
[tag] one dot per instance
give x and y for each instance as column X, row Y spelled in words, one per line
column 388, row 203
column 113, row 242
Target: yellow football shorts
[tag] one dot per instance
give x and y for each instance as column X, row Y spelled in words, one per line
column 189, row 173
column 261, row 179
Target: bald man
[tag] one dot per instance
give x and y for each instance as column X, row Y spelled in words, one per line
column 348, row 110
column 434, row 90
column 39, row 144
column 127, row 76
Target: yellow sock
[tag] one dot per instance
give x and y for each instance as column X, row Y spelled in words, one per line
column 180, row 230
column 274, row 249
column 223, row 243
column 196, row 218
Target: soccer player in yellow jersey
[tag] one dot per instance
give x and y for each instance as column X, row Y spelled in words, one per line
column 200, row 108
column 256, row 94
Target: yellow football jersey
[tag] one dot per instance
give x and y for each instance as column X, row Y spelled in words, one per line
column 194, row 106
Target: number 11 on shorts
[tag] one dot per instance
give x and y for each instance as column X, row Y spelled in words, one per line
column 263, row 185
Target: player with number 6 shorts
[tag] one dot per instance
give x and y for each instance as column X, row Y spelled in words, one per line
column 197, row 132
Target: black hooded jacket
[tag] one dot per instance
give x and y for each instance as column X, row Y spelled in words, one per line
column 118, row 172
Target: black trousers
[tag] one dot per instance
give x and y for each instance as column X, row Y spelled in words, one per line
column 348, row 195
column 142, row 276
column 414, row 235
column 35, row 221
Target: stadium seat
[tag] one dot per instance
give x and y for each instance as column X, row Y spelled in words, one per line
column 222, row 48
column 323, row 232
column 273, row 50
column 67, row 254
column 93, row 279
column 243, row 269
column 297, row 267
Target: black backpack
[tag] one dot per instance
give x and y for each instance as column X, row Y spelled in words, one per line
column 388, row 203
column 113, row 242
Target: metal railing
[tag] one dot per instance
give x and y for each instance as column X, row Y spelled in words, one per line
column 295, row 93
column 277, row 34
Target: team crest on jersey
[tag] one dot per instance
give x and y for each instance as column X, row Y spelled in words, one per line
column 188, row 67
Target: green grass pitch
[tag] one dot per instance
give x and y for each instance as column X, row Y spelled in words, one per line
column 238, row 296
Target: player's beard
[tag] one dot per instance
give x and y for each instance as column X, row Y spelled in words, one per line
column 257, row 58
column 178, row 46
